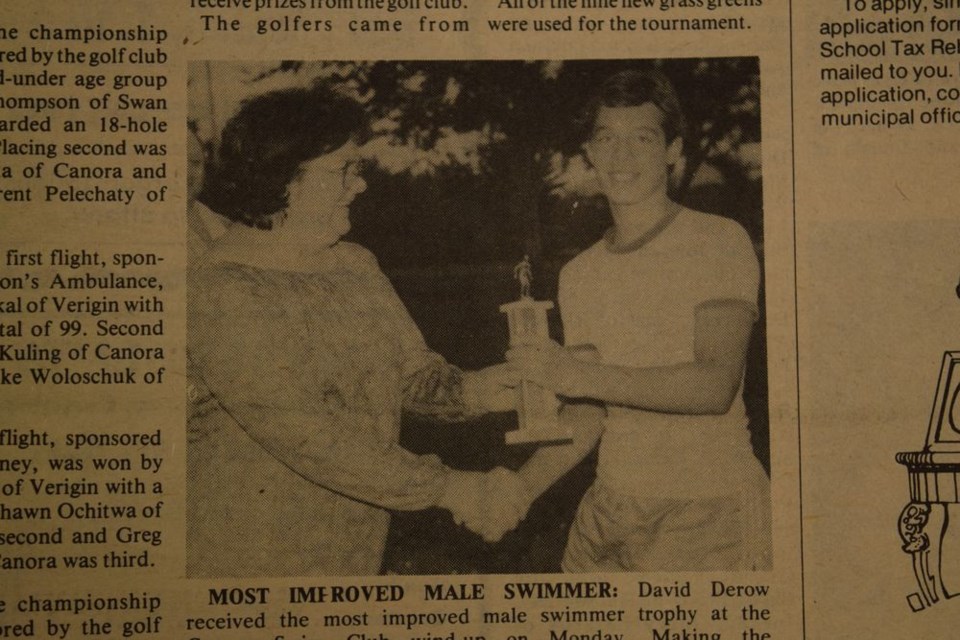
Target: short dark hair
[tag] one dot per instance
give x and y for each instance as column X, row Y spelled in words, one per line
column 633, row 88
column 264, row 144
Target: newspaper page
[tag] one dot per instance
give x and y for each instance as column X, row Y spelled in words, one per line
column 479, row 319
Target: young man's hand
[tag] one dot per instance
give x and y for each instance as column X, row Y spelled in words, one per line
column 490, row 504
column 547, row 364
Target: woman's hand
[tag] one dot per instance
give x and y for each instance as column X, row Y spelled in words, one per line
column 491, row 389
column 489, row 504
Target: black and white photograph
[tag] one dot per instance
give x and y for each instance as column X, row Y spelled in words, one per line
column 476, row 317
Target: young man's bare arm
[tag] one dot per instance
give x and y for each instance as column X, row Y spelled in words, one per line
column 550, row 462
column 706, row 385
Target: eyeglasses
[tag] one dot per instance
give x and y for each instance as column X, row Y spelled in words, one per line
column 346, row 172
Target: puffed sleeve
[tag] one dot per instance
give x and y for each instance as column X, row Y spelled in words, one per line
column 238, row 334
column 432, row 387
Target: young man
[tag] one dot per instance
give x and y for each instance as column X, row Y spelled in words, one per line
column 668, row 299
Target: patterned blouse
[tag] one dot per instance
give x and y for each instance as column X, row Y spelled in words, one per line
column 293, row 470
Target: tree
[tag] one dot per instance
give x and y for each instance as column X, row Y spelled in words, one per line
column 507, row 132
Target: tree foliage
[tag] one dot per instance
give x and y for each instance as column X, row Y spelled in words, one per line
column 489, row 151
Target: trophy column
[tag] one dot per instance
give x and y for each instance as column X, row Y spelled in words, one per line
column 536, row 407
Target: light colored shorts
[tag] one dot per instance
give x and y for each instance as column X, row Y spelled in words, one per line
column 617, row 532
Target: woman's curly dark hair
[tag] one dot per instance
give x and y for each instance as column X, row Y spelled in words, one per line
column 264, row 144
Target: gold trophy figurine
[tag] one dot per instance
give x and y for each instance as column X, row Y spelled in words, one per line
column 536, row 407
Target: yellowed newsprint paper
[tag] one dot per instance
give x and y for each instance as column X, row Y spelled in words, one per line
column 479, row 319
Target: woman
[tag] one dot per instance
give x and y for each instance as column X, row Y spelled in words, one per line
column 312, row 355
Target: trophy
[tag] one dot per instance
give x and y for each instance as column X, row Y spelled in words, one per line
column 536, row 407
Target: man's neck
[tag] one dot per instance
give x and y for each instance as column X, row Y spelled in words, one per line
column 633, row 223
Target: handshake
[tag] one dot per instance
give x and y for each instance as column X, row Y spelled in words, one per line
column 490, row 504
column 493, row 503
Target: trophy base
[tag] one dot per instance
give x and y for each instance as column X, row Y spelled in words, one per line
column 542, row 433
